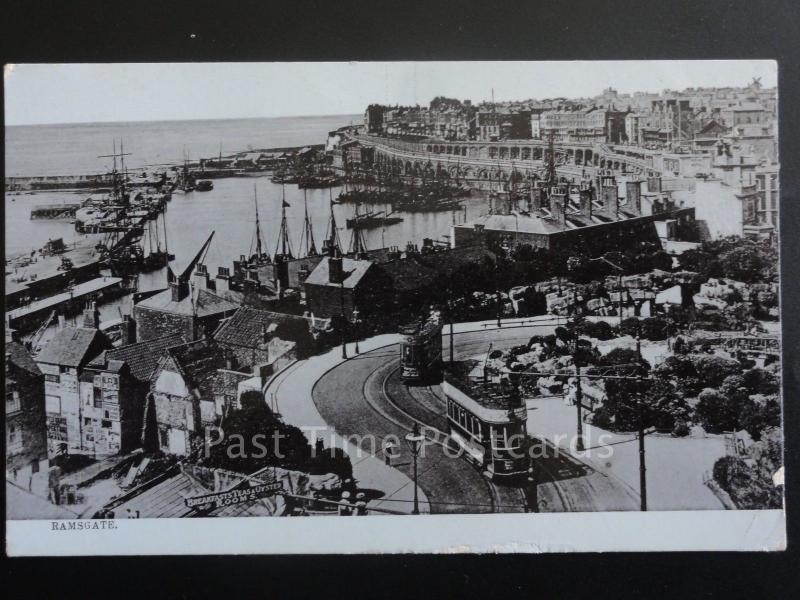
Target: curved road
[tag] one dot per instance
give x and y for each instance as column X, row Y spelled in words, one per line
column 365, row 400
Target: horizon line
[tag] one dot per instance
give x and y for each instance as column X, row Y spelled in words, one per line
column 175, row 120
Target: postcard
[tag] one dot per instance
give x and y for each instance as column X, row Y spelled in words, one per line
column 471, row 306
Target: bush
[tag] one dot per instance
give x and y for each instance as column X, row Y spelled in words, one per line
column 654, row 328
column 758, row 417
column 748, row 488
column 759, row 381
column 712, row 370
column 681, row 429
column 718, row 413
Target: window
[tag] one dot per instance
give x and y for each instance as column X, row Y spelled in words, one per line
column 34, row 466
column 98, row 397
column 164, row 439
column 12, row 402
column 105, row 424
column 14, row 438
column 52, row 378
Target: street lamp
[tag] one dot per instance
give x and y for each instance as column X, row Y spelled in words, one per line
column 356, row 323
column 344, row 321
column 414, row 441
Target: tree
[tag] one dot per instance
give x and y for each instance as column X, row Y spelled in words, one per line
column 760, row 381
column 255, row 437
column 758, row 417
column 716, row 413
column 654, row 328
column 712, row 369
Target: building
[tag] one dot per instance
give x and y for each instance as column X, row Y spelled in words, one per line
column 768, row 187
column 63, row 361
column 745, row 113
column 181, row 403
column 26, row 433
column 576, row 222
column 339, row 285
column 593, row 125
column 181, row 310
column 259, row 337
column 114, row 389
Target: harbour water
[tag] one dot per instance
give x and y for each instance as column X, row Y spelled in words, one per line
column 228, row 209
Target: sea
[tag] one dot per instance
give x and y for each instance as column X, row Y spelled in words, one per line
column 228, row 210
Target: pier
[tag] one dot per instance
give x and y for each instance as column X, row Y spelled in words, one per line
column 29, row 317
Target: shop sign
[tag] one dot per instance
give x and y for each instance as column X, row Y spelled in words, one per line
column 232, row 497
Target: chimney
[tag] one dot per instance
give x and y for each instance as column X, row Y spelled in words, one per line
column 586, row 194
column 91, row 316
column 201, row 277
column 536, row 200
column 335, row 269
column 610, row 199
column 61, row 321
column 223, row 279
column 179, row 288
column 558, row 205
column 633, row 200
column 128, row 330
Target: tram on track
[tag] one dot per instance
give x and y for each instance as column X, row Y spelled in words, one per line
column 488, row 422
column 421, row 351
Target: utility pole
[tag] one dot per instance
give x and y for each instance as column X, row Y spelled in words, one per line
column 640, row 393
column 578, row 400
column 344, row 319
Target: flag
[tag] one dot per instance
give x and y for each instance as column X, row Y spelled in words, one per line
column 286, row 204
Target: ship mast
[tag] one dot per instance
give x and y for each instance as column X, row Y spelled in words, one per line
column 259, row 245
column 357, row 245
column 308, row 233
column 334, row 246
column 283, row 238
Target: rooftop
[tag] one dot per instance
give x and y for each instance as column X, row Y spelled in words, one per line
column 246, row 327
column 198, row 362
column 142, row 357
column 354, row 270
column 201, row 303
column 70, row 346
column 19, row 357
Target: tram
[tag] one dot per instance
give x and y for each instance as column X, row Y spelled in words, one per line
column 488, row 423
column 421, row 351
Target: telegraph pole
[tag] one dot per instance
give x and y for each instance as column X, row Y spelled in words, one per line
column 640, row 393
column 578, row 400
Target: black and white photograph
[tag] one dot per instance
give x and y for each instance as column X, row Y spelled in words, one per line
column 399, row 291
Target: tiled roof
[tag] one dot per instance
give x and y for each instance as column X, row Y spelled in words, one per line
column 198, row 362
column 70, row 346
column 512, row 223
column 206, row 303
column 141, row 357
column 19, row 356
column 245, row 328
column 354, row 271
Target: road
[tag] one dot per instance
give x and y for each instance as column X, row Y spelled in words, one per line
column 365, row 401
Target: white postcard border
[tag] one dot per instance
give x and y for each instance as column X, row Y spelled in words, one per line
column 746, row 530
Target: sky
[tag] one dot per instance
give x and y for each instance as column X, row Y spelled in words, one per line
column 76, row 93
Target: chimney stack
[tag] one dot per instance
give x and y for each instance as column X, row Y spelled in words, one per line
column 633, row 200
column 91, row 316
column 335, row 269
column 201, row 277
column 586, row 194
column 61, row 322
column 179, row 289
column 128, row 330
column 558, row 205
column 223, row 279
column 610, row 199
column 536, row 200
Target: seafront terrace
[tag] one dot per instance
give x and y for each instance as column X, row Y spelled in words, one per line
column 476, row 160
